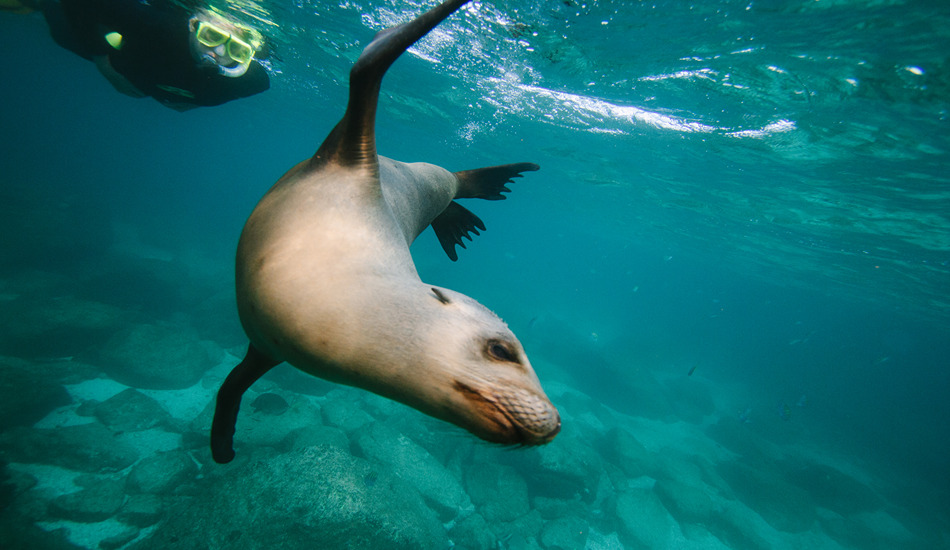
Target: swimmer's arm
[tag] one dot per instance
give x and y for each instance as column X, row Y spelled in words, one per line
column 118, row 81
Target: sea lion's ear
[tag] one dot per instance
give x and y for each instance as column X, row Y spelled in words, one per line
column 440, row 296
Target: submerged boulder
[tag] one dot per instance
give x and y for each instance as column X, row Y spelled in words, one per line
column 162, row 473
column 687, row 502
column 627, row 453
column 142, row 510
column 270, row 424
column 416, row 466
column 26, row 395
column 159, row 357
column 785, row 506
column 498, row 491
column 131, row 411
column 835, row 490
column 98, row 502
column 270, row 403
column 84, row 448
column 568, row 469
column 318, row 497
column 473, row 533
column 62, row 325
column 340, row 411
column 565, row 533
column 644, row 521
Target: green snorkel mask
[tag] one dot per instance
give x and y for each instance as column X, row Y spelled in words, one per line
column 229, row 46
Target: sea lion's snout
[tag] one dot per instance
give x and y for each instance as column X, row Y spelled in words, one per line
column 512, row 416
column 531, row 414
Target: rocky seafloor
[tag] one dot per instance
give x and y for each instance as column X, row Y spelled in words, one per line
column 108, row 448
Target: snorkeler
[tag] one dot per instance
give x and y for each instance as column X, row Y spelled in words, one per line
column 183, row 58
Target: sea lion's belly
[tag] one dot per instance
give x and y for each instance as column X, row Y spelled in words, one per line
column 311, row 257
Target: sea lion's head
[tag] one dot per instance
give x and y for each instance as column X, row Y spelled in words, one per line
column 484, row 377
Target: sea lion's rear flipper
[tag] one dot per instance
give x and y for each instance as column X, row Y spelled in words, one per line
column 254, row 365
column 489, row 183
column 353, row 142
column 454, row 223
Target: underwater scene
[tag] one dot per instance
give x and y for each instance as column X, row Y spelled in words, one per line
column 731, row 275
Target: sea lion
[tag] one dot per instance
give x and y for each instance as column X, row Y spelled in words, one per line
column 325, row 280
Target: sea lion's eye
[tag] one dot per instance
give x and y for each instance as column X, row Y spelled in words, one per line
column 501, row 352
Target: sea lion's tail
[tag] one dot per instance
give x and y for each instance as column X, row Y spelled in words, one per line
column 254, row 365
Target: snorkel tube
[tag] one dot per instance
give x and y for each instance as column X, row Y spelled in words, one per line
column 235, row 71
column 210, row 61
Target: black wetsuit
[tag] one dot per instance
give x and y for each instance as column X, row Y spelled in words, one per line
column 155, row 55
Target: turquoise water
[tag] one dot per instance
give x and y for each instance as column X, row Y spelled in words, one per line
column 754, row 190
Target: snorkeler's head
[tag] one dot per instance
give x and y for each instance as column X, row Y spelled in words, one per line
column 224, row 43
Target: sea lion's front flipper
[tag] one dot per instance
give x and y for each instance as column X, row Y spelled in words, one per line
column 489, row 183
column 254, row 365
column 353, row 142
column 454, row 223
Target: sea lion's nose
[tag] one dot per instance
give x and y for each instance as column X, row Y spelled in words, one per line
column 545, row 426
column 552, row 433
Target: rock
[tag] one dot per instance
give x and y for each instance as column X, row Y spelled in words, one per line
column 521, row 542
column 45, row 327
column 25, row 397
column 498, row 491
column 9, row 487
column 644, row 522
column 416, row 466
column 740, row 439
column 18, row 532
column 292, row 379
column 130, row 411
column 153, row 279
column 160, row 357
column 340, row 412
column 265, row 429
column 699, row 537
column 425, row 431
column 16, row 497
column 294, row 497
column 886, row 529
column 552, row 508
column 835, row 490
column 624, row 451
column 687, row 503
column 600, row 541
column 567, row 533
column 206, row 317
column 693, row 469
column 740, row 527
column 473, row 533
column 142, row 510
column 567, row 469
column 84, row 448
column 119, row 540
column 310, row 436
column 783, row 505
column 269, row 403
column 162, row 473
column 527, row 527
column 96, row 503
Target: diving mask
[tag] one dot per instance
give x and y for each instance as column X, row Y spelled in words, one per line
column 232, row 54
